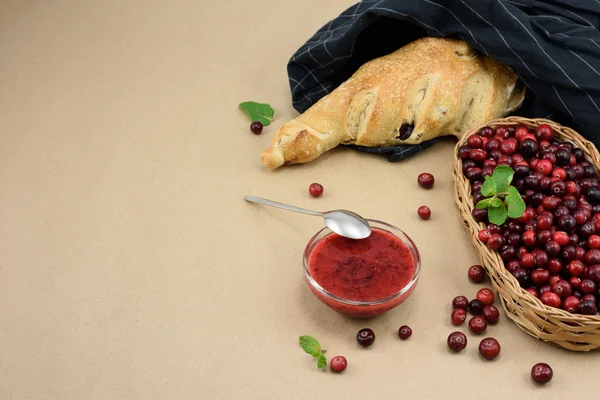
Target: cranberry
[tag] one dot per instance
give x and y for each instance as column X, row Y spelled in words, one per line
column 521, row 171
column 587, row 307
column 563, row 157
column 457, row 341
column 589, row 171
column 495, row 241
column 507, row 252
column 579, row 172
column 553, row 279
column 544, row 289
column 474, row 174
column 559, row 173
column 550, row 203
column 587, row 286
column 527, row 260
column 568, row 253
column 532, row 291
column 543, row 132
column 494, row 228
column 532, row 182
column 491, row 314
column 541, row 258
column 571, row 304
column 544, row 167
column 514, row 239
column 493, row 144
column 479, row 215
column 552, row 248
column 509, row 146
column 365, row 337
column 256, row 127
column 575, row 283
column 475, row 141
column 558, row 188
column 550, row 299
column 476, row 273
column 485, row 296
column 544, row 221
column 562, row 288
column 575, row 268
column 541, row 373
column 478, row 155
column 489, row 163
column 528, row 148
column 477, row 324
column 566, row 222
column 425, row 180
column 458, row 316
column 562, row 238
column 315, row 189
column 522, row 276
column 338, row 364
column 540, row 276
column 580, row 253
column 592, row 257
column 475, row 307
column 593, row 195
column 489, row 348
column 404, row 332
column 529, row 238
column 460, row 302
column 554, row 266
column 580, row 217
column 486, row 131
column 589, row 297
column 573, row 239
column 550, row 157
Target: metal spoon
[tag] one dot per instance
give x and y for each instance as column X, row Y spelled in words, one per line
column 343, row 222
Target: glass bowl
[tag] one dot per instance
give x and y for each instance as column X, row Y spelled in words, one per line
column 358, row 308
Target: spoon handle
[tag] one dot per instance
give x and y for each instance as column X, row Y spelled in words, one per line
column 254, row 199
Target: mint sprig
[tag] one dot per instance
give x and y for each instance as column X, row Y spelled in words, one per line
column 260, row 112
column 502, row 200
column 312, row 347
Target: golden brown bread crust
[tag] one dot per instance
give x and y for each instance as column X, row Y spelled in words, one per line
column 429, row 88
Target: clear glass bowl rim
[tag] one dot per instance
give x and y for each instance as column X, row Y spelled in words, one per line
column 394, row 230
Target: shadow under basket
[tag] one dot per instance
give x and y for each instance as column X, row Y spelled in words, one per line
column 570, row 331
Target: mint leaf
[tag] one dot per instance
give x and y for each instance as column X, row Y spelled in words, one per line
column 502, row 176
column 489, row 187
column 516, row 205
column 321, row 362
column 310, row 345
column 497, row 215
column 260, row 112
column 491, row 202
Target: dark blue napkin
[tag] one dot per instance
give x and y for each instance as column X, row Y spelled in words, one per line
column 553, row 45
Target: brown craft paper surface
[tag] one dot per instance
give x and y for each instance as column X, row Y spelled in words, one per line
column 131, row 267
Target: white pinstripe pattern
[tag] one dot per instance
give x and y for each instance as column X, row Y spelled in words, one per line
column 585, row 62
column 551, row 59
column 503, row 39
column 406, row 15
column 563, row 102
column 460, row 22
column 580, row 17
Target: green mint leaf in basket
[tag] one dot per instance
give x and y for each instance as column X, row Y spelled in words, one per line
column 489, row 187
column 260, row 112
column 491, row 202
column 502, row 177
column 310, row 345
column 497, row 215
column 516, row 205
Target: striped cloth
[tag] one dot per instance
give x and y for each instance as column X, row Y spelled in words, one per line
column 554, row 47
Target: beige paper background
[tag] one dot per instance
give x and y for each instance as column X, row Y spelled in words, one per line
column 130, row 266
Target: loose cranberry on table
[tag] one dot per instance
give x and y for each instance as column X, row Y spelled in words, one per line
column 315, row 189
column 404, row 332
column 489, row 348
column 365, row 337
column 485, row 296
column 457, row 341
column 461, row 302
column 491, row 314
column 477, row 324
column 541, row 373
column 426, row 180
column 424, row 212
column 476, row 273
column 459, row 316
column 475, row 307
column 338, row 363
column 256, row 127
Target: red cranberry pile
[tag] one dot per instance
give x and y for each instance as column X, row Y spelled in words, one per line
column 553, row 249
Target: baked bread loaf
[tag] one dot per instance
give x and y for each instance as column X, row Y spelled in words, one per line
column 428, row 88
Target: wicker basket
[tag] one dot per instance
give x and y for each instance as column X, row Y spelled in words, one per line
column 570, row 331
